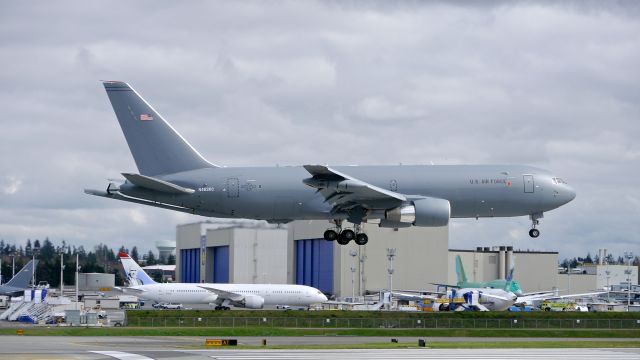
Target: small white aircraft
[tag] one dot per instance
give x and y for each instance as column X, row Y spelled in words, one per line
column 252, row 296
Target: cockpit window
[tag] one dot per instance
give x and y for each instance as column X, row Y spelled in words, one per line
column 557, row 180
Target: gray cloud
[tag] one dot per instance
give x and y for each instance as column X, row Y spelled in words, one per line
column 542, row 83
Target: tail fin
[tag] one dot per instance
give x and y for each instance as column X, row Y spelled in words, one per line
column 133, row 271
column 24, row 276
column 509, row 278
column 462, row 278
column 157, row 147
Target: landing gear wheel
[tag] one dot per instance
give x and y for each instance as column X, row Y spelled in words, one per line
column 534, row 233
column 346, row 236
column 362, row 239
column 330, row 235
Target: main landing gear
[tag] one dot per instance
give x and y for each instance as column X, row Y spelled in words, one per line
column 343, row 237
column 534, row 233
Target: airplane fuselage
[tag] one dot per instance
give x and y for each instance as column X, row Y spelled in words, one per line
column 273, row 294
column 278, row 194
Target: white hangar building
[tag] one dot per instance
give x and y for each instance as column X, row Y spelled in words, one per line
column 248, row 251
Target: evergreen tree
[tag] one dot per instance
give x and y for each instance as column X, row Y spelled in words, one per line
column 151, row 258
column 47, row 251
column 134, row 253
column 588, row 259
column 171, row 259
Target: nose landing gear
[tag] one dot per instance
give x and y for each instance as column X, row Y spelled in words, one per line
column 534, row 233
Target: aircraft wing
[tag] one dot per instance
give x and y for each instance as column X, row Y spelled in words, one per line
column 446, row 285
column 491, row 296
column 130, row 289
column 540, row 293
column 542, row 297
column 222, row 294
column 345, row 192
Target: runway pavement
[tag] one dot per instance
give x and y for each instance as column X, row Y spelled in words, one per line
column 183, row 348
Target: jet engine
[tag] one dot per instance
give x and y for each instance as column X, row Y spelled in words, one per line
column 429, row 212
column 252, row 302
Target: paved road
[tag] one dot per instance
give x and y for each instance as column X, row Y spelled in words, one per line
column 139, row 348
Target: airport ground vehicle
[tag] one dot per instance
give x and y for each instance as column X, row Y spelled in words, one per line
column 171, row 306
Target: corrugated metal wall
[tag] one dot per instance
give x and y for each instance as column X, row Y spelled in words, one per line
column 190, row 265
column 314, row 264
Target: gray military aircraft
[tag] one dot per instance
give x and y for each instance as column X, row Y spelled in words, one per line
column 20, row 282
column 173, row 175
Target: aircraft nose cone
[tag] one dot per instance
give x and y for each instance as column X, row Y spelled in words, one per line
column 572, row 194
column 323, row 298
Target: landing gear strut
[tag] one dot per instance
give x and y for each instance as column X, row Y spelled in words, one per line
column 344, row 237
column 534, row 233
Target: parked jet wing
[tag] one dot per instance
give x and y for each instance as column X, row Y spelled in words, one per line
column 156, row 184
column 224, row 294
column 531, row 298
column 344, row 191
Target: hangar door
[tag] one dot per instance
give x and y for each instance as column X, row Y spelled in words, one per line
column 221, row 264
column 190, row 265
column 314, row 264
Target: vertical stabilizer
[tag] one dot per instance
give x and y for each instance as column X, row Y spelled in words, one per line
column 133, row 271
column 24, row 276
column 509, row 279
column 462, row 278
column 157, row 148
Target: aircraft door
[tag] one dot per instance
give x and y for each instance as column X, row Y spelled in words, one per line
column 528, row 183
column 233, row 187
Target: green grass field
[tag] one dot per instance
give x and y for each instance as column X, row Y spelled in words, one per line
column 217, row 332
column 135, row 314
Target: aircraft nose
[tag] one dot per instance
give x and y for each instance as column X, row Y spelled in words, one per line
column 569, row 194
column 323, row 298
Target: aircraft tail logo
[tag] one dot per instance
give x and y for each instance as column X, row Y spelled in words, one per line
column 135, row 274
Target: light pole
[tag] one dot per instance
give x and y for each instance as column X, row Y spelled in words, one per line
column 363, row 279
column 353, row 255
column 13, row 265
column 629, row 256
column 35, row 251
column 77, row 276
column 62, row 271
column 391, row 253
column 608, row 289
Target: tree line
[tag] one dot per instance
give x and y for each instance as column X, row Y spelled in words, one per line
column 100, row 259
column 610, row 259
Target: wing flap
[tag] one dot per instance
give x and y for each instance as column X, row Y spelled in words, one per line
column 156, row 184
column 344, row 191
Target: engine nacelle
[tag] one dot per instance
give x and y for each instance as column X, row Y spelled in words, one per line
column 252, row 302
column 429, row 212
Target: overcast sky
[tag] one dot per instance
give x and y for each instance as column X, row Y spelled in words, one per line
column 555, row 85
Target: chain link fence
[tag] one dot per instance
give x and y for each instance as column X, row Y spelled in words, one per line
column 370, row 323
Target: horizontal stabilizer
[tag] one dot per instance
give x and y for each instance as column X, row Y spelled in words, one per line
column 156, row 184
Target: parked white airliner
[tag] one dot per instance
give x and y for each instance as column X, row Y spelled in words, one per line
column 252, row 296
